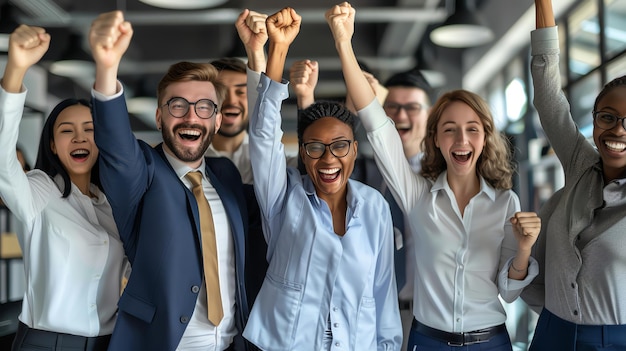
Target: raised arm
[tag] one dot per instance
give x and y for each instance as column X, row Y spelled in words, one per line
column 27, row 45
column 253, row 34
column 109, row 38
column 570, row 145
column 303, row 76
column 379, row 90
column 282, row 27
column 544, row 14
column 340, row 18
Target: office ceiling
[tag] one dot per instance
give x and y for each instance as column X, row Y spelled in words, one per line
column 391, row 36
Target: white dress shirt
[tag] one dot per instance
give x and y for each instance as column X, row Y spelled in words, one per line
column 462, row 261
column 73, row 256
column 200, row 334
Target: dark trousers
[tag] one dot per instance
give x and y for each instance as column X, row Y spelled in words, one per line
column 554, row 333
column 421, row 342
column 28, row 339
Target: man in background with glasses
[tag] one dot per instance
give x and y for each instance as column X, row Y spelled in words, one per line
column 182, row 217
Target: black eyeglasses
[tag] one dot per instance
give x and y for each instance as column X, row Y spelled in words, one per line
column 179, row 107
column 606, row 121
column 339, row 148
column 411, row 109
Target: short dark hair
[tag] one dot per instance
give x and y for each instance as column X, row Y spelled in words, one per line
column 191, row 71
column 230, row 64
column 47, row 160
column 619, row 81
column 321, row 109
column 410, row 79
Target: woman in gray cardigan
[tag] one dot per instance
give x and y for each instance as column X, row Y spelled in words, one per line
column 585, row 243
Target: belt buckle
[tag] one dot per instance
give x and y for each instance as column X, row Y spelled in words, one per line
column 475, row 334
column 456, row 344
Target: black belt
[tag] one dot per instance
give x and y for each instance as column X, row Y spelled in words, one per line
column 59, row 341
column 459, row 339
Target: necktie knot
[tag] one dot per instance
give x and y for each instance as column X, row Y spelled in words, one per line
column 195, row 178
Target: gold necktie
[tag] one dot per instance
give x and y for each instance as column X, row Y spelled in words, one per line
column 209, row 250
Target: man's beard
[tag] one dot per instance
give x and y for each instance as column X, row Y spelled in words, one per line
column 228, row 134
column 185, row 154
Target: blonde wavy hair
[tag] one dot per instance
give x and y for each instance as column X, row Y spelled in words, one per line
column 494, row 164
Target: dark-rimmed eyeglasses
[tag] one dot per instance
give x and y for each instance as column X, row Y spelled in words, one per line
column 339, row 148
column 607, row 121
column 412, row 109
column 179, row 107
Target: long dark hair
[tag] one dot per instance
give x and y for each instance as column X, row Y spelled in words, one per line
column 47, row 160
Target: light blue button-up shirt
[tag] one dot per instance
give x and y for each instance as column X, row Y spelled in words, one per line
column 316, row 277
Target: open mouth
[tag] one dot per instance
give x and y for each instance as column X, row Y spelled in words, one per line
column 615, row 146
column 403, row 127
column 329, row 174
column 80, row 154
column 461, row 156
column 231, row 112
column 189, row 134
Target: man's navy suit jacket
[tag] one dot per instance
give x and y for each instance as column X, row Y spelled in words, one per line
column 157, row 217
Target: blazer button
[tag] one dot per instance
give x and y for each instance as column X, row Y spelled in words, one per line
column 184, row 319
column 195, row 289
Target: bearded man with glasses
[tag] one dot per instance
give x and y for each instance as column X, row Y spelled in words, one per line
column 182, row 217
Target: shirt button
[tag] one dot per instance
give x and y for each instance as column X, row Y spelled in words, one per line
column 575, row 312
column 184, row 319
column 573, row 285
column 458, row 319
column 195, row 289
column 336, row 325
column 335, row 309
column 337, row 344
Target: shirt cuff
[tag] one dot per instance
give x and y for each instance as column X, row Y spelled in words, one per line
column 545, row 41
column 513, row 284
column 101, row 97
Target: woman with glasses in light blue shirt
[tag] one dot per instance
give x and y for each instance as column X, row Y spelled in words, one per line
column 330, row 281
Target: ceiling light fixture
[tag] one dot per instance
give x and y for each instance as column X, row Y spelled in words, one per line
column 465, row 28
column 184, row 4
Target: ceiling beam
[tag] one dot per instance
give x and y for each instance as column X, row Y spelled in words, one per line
column 228, row 16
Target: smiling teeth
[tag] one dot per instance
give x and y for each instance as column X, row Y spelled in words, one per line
column 615, row 145
column 461, row 153
column 190, row 132
column 79, row 152
column 329, row 170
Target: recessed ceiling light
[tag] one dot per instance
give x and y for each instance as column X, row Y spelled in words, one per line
column 184, row 4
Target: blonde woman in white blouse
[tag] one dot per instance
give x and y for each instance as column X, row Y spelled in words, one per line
column 73, row 257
